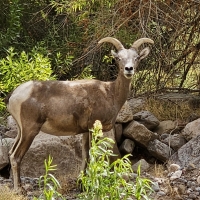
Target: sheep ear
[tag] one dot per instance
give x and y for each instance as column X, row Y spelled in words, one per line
column 114, row 54
column 144, row 53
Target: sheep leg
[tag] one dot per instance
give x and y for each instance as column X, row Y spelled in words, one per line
column 86, row 144
column 85, row 150
column 16, row 141
column 26, row 137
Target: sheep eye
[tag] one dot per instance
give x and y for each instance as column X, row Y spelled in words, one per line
column 118, row 58
column 137, row 58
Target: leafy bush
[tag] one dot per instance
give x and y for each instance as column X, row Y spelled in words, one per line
column 105, row 181
column 18, row 68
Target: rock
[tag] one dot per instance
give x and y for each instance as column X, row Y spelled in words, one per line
column 159, row 150
column 164, row 136
column 125, row 114
column 175, row 141
column 147, row 119
column 4, row 158
column 174, row 167
column 11, row 123
column 188, row 155
column 191, row 130
column 155, row 186
column 65, row 150
column 136, row 104
column 111, row 134
column 3, row 129
column 165, row 127
column 181, row 188
column 144, row 165
column 161, row 193
column 138, row 132
column 176, row 174
column 118, row 132
column 127, row 146
column 10, row 133
column 198, row 180
column 5, row 145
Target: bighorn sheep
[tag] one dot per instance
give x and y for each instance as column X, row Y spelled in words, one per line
column 65, row 108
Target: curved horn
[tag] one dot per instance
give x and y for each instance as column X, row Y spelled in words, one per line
column 140, row 41
column 118, row 45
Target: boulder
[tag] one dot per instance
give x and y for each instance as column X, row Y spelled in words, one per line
column 3, row 129
column 191, row 130
column 138, row 132
column 111, row 134
column 11, row 123
column 127, row 146
column 12, row 128
column 147, row 119
column 65, row 150
column 125, row 114
column 144, row 165
column 118, row 132
column 136, row 104
column 165, row 127
column 5, row 145
column 175, row 141
column 188, row 155
column 10, row 134
column 160, row 150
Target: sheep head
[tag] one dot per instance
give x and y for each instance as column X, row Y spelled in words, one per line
column 128, row 59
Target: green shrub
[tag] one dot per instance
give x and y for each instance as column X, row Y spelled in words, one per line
column 18, row 68
column 105, row 181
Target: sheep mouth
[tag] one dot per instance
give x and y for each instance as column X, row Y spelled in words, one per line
column 128, row 76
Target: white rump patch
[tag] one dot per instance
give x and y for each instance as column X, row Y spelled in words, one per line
column 19, row 95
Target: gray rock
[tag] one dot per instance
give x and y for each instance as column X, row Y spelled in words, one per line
column 5, row 145
column 111, row 134
column 161, row 193
column 11, row 123
column 136, row 104
column 4, row 159
column 127, row 146
column 175, row 141
column 155, row 186
column 191, row 130
column 147, row 119
column 144, row 165
column 118, row 132
column 177, row 174
column 188, row 155
column 125, row 114
column 160, row 150
column 138, row 132
column 65, row 150
column 174, row 167
column 3, row 129
column 165, row 127
column 10, row 133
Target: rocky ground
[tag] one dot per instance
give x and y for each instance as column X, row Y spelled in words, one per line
column 173, row 183
column 173, row 145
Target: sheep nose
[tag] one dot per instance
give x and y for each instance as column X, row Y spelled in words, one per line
column 128, row 68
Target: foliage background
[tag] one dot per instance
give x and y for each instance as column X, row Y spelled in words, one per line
column 66, row 32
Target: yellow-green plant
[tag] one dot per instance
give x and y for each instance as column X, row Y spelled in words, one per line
column 48, row 183
column 17, row 68
column 103, row 180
